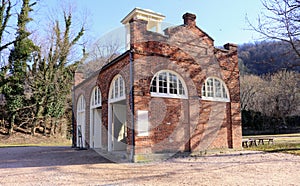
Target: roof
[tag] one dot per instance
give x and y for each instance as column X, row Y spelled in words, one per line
column 144, row 14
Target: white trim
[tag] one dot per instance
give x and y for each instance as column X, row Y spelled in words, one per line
column 113, row 95
column 179, row 80
column 95, row 102
column 96, row 98
column 112, row 99
column 204, row 90
column 109, row 129
column 154, row 94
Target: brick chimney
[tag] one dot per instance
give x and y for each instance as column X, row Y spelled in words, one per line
column 141, row 20
column 78, row 77
column 189, row 19
column 230, row 47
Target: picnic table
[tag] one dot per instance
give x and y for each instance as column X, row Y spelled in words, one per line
column 268, row 139
column 257, row 141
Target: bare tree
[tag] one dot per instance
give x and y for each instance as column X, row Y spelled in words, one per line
column 250, row 88
column 275, row 96
column 283, row 93
column 281, row 22
column 104, row 50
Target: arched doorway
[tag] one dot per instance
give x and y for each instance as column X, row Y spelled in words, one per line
column 95, row 118
column 117, row 127
column 81, row 122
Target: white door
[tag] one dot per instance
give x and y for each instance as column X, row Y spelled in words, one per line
column 81, row 129
column 97, row 128
column 119, row 127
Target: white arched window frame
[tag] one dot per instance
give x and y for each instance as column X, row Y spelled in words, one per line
column 81, row 104
column 96, row 99
column 117, row 89
column 214, row 89
column 168, row 84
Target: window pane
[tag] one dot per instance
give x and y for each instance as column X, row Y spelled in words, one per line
column 112, row 93
column 203, row 90
column 173, row 83
column 218, row 89
column 224, row 92
column 209, row 88
column 163, row 83
column 121, row 86
column 153, row 87
column 95, row 96
column 181, row 89
column 116, row 88
column 99, row 96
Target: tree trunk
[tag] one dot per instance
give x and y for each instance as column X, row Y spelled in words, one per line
column 46, row 121
column 33, row 129
column 11, row 125
column 52, row 128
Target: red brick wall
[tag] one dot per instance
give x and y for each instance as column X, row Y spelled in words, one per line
column 176, row 124
column 85, row 88
column 104, row 80
column 198, row 125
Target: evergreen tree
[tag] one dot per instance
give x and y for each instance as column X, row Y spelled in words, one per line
column 52, row 77
column 19, row 56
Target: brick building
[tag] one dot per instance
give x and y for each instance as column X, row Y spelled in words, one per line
column 171, row 91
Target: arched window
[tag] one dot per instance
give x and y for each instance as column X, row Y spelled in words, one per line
column 96, row 98
column 168, row 84
column 117, row 89
column 95, row 124
column 81, row 104
column 214, row 89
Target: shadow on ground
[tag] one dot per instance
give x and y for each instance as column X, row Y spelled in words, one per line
column 14, row 157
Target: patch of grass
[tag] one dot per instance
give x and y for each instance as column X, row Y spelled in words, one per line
column 291, row 148
column 65, row 143
column 19, row 140
column 286, row 143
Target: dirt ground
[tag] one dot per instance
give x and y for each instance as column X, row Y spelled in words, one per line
column 68, row 166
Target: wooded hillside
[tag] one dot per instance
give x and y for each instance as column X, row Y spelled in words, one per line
column 270, row 88
column 268, row 57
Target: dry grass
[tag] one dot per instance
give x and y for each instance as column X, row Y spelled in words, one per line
column 286, row 143
column 18, row 139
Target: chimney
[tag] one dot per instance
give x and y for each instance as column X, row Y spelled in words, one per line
column 141, row 20
column 230, row 47
column 189, row 19
column 78, row 77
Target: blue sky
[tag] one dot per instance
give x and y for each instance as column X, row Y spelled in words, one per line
column 223, row 20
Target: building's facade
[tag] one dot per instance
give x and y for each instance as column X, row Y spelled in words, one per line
column 171, row 91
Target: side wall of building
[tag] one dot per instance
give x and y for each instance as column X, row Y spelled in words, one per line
column 121, row 67
column 84, row 87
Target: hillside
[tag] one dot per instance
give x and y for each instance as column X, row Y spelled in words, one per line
column 267, row 57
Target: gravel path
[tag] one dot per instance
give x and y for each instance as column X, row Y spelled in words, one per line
column 67, row 166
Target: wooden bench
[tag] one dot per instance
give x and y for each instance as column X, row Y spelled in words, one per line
column 248, row 142
column 252, row 141
column 261, row 141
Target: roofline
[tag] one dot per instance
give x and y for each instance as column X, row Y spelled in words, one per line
column 97, row 72
column 140, row 9
column 115, row 60
column 205, row 33
column 87, row 79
